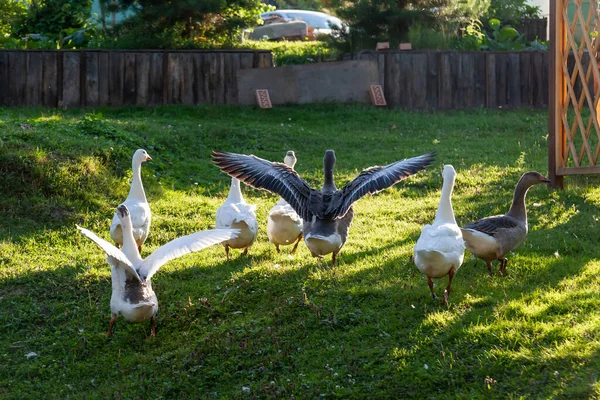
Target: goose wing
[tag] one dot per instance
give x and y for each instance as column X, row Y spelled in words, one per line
column 115, row 256
column 273, row 176
column 181, row 246
column 491, row 225
column 373, row 180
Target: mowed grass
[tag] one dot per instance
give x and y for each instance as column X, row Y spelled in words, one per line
column 277, row 326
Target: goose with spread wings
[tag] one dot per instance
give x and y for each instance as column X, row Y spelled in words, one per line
column 132, row 294
column 326, row 213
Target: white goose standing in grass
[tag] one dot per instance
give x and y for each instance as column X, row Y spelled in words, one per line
column 440, row 249
column 136, row 203
column 491, row 238
column 132, row 294
column 284, row 225
column 236, row 213
column 326, row 213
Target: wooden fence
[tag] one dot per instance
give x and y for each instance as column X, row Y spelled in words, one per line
column 91, row 78
column 411, row 79
column 456, row 80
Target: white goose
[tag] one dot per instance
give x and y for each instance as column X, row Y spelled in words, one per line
column 236, row 213
column 136, row 203
column 440, row 249
column 284, row 225
column 132, row 294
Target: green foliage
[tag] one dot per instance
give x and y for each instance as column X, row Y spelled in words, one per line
column 12, row 12
column 502, row 38
column 511, row 12
column 268, row 325
column 424, row 38
column 372, row 21
column 294, row 52
column 185, row 24
column 460, row 11
column 472, row 37
column 314, row 5
column 56, row 17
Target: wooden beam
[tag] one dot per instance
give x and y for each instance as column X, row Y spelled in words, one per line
column 556, row 136
column 578, row 170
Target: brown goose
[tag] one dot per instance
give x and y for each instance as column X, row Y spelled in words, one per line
column 492, row 238
column 326, row 213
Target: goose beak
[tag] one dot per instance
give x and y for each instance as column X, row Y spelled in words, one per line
column 148, row 158
column 544, row 179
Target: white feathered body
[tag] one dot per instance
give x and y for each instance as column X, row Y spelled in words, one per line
column 140, row 222
column 240, row 216
column 284, row 225
column 439, row 248
column 135, row 301
column 235, row 213
column 136, row 203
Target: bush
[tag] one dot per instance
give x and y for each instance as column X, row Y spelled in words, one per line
column 296, row 52
column 56, row 17
column 12, row 12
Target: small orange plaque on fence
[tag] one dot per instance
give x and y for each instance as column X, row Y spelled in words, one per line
column 405, row 46
column 263, row 99
column 377, row 96
column 382, row 46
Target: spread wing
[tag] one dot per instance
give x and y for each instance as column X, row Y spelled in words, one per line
column 373, row 180
column 115, row 256
column 491, row 225
column 181, row 246
column 272, row 176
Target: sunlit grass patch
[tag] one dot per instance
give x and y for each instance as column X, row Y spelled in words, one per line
column 277, row 325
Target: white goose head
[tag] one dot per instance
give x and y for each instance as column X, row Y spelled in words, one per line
column 449, row 173
column 140, row 156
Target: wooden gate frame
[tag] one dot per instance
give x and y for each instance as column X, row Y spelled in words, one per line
column 561, row 133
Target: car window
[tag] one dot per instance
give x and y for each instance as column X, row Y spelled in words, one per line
column 316, row 21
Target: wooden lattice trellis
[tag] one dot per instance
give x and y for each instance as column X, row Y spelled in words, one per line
column 574, row 142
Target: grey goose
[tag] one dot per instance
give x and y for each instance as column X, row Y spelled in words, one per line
column 493, row 237
column 326, row 213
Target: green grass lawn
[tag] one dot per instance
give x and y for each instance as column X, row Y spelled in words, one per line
column 277, row 326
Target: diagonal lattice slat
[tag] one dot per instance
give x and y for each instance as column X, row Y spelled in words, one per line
column 578, row 129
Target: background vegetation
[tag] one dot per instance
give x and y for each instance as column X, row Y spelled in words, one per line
column 133, row 24
column 270, row 325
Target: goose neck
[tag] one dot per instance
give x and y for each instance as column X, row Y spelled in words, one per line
column 130, row 247
column 517, row 208
column 445, row 212
column 235, row 193
column 328, row 181
column 137, row 189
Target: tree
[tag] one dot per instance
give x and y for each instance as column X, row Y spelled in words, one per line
column 314, row 5
column 372, row 21
column 182, row 23
column 54, row 17
column 12, row 12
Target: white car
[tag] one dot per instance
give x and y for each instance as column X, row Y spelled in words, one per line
column 320, row 22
